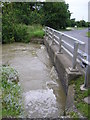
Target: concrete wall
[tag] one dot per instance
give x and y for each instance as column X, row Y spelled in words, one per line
column 62, row 63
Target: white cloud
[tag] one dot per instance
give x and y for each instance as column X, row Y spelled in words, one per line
column 79, row 9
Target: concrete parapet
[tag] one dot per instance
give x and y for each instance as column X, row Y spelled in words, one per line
column 62, row 64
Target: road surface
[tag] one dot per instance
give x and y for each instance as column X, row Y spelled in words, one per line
column 81, row 35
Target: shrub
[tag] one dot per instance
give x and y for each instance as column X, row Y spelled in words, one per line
column 21, row 34
column 14, row 33
column 8, row 33
column 35, row 31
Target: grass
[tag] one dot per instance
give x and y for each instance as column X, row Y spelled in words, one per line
column 73, row 115
column 35, row 31
column 11, row 94
column 80, row 28
column 79, row 96
column 88, row 34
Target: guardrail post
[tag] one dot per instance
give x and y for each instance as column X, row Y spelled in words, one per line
column 75, row 53
column 52, row 37
column 60, row 42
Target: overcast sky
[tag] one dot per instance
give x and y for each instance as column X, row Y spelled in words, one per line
column 79, row 9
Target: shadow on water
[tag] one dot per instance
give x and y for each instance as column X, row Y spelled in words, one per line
column 42, row 91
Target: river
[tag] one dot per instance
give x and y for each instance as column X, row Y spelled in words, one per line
column 42, row 91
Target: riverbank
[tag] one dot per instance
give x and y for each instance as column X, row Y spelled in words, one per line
column 12, row 104
column 80, row 109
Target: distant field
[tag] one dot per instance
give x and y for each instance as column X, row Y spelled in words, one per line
column 80, row 28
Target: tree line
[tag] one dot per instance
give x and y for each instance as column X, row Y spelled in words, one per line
column 81, row 23
column 15, row 14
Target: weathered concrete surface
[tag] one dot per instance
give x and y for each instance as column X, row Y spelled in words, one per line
column 62, row 63
column 70, row 98
column 87, row 100
column 82, row 36
column 42, row 90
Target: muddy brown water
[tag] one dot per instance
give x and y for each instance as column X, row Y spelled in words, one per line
column 42, row 91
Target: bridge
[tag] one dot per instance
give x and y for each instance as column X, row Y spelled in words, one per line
column 42, row 90
column 64, row 49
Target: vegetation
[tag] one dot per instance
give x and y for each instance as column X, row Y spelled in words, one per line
column 88, row 34
column 82, row 107
column 79, row 24
column 35, row 31
column 56, row 14
column 17, row 16
column 11, row 31
column 74, row 115
column 11, row 93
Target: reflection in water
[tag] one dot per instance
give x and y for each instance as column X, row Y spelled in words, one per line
column 42, row 91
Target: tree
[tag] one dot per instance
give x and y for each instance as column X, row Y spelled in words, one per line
column 81, row 23
column 53, row 14
column 73, row 23
column 11, row 30
column 56, row 14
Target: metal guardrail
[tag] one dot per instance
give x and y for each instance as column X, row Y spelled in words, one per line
column 74, row 47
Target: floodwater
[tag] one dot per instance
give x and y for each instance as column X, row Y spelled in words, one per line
column 43, row 94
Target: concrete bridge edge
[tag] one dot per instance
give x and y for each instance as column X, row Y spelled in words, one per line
column 64, row 73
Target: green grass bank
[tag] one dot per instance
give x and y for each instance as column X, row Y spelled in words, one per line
column 79, row 96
